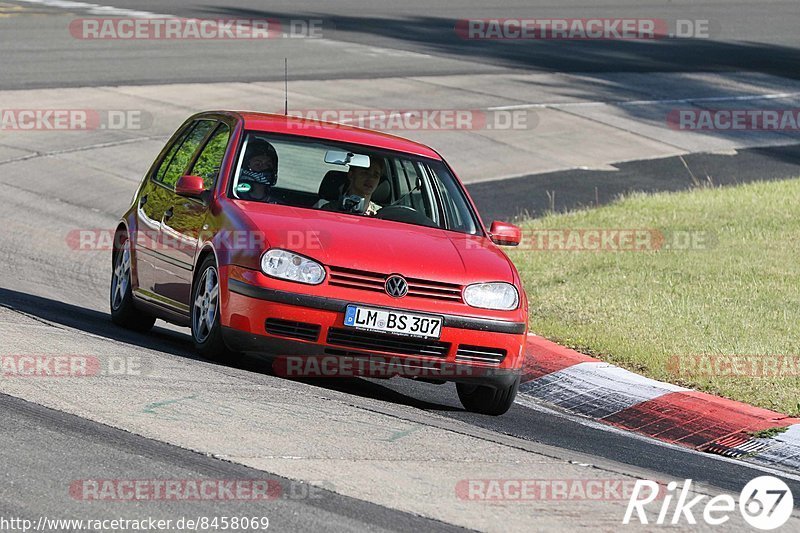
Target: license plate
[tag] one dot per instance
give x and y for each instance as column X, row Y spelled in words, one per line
column 397, row 322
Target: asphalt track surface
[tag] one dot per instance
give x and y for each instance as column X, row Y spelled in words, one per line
column 577, row 188
column 410, row 38
column 41, row 447
column 50, row 433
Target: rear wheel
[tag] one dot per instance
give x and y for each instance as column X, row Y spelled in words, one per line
column 123, row 312
column 206, row 328
column 487, row 400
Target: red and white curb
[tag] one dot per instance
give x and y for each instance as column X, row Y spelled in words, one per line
column 612, row 395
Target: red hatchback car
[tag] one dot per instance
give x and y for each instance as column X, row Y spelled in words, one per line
column 305, row 240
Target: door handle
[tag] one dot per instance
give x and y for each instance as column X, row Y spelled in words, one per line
column 168, row 214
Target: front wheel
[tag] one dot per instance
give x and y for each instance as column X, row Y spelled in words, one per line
column 123, row 312
column 206, row 328
column 487, row 400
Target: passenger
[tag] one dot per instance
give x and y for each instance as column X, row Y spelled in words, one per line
column 259, row 171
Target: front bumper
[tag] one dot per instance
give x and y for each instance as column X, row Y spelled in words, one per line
column 247, row 308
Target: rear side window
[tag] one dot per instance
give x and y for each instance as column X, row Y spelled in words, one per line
column 182, row 152
column 209, row 162
column 162, row 168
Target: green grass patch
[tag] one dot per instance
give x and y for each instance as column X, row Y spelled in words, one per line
column 723, row 288
column 769, row 432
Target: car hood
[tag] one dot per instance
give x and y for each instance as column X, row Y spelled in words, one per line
column 381, row 246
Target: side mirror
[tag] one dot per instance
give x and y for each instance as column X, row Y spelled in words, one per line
column 505, row 234
column 190, row 187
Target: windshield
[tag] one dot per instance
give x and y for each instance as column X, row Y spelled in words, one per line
column 352, row 180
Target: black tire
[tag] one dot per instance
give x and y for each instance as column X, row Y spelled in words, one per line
column 208, row 341
column 487, row 400
column 123, row 312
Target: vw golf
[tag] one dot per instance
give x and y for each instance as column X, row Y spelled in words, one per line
column 293, row 238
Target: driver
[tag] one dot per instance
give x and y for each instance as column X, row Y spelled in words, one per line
column 259, row 171
column 361, row 182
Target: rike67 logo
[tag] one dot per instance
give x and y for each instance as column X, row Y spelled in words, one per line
column 765, row 503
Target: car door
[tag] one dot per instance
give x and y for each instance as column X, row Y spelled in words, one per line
column 149, row 211
column 183, row 220
column 167, row 275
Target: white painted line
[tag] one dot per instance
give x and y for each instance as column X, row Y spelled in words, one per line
column 742, row 98
column 532, row 403
column 36, row 155
column 557, row 105
column 790, row 436
column 368, row 50
column 95, row 9
column 784, row 450
column 596, row 389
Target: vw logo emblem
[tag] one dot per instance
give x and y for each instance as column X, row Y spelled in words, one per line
column 396, row 286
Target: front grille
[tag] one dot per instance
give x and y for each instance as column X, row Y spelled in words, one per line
column 479, row 354
column 366, row 340
column 371, row 281
column 338, row 352
column 295, row 330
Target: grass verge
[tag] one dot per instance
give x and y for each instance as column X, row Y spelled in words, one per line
column 712, row 302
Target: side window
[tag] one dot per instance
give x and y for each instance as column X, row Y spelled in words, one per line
column 162, row 169
column 403, row 181
column 210, row 160
column 417, row 199
column 455, row 205
column 179, row 162
column 407, row 178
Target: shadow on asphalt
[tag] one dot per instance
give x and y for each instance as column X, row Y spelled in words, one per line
column 96, row 323
column 600, row 64
column 438, row 36
column 178, row 344
column 530, row 196
column 522, row 422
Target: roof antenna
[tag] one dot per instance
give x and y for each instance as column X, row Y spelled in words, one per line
column 286, row 86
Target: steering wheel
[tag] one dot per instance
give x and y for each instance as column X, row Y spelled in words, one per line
column 398, row 208
column 404, row 213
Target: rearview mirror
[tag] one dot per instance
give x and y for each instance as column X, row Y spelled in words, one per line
column 190, row 187
column 505, row 234
column 340, row 157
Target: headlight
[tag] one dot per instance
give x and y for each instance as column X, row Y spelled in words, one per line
column 500, row 296
column 287, row 265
